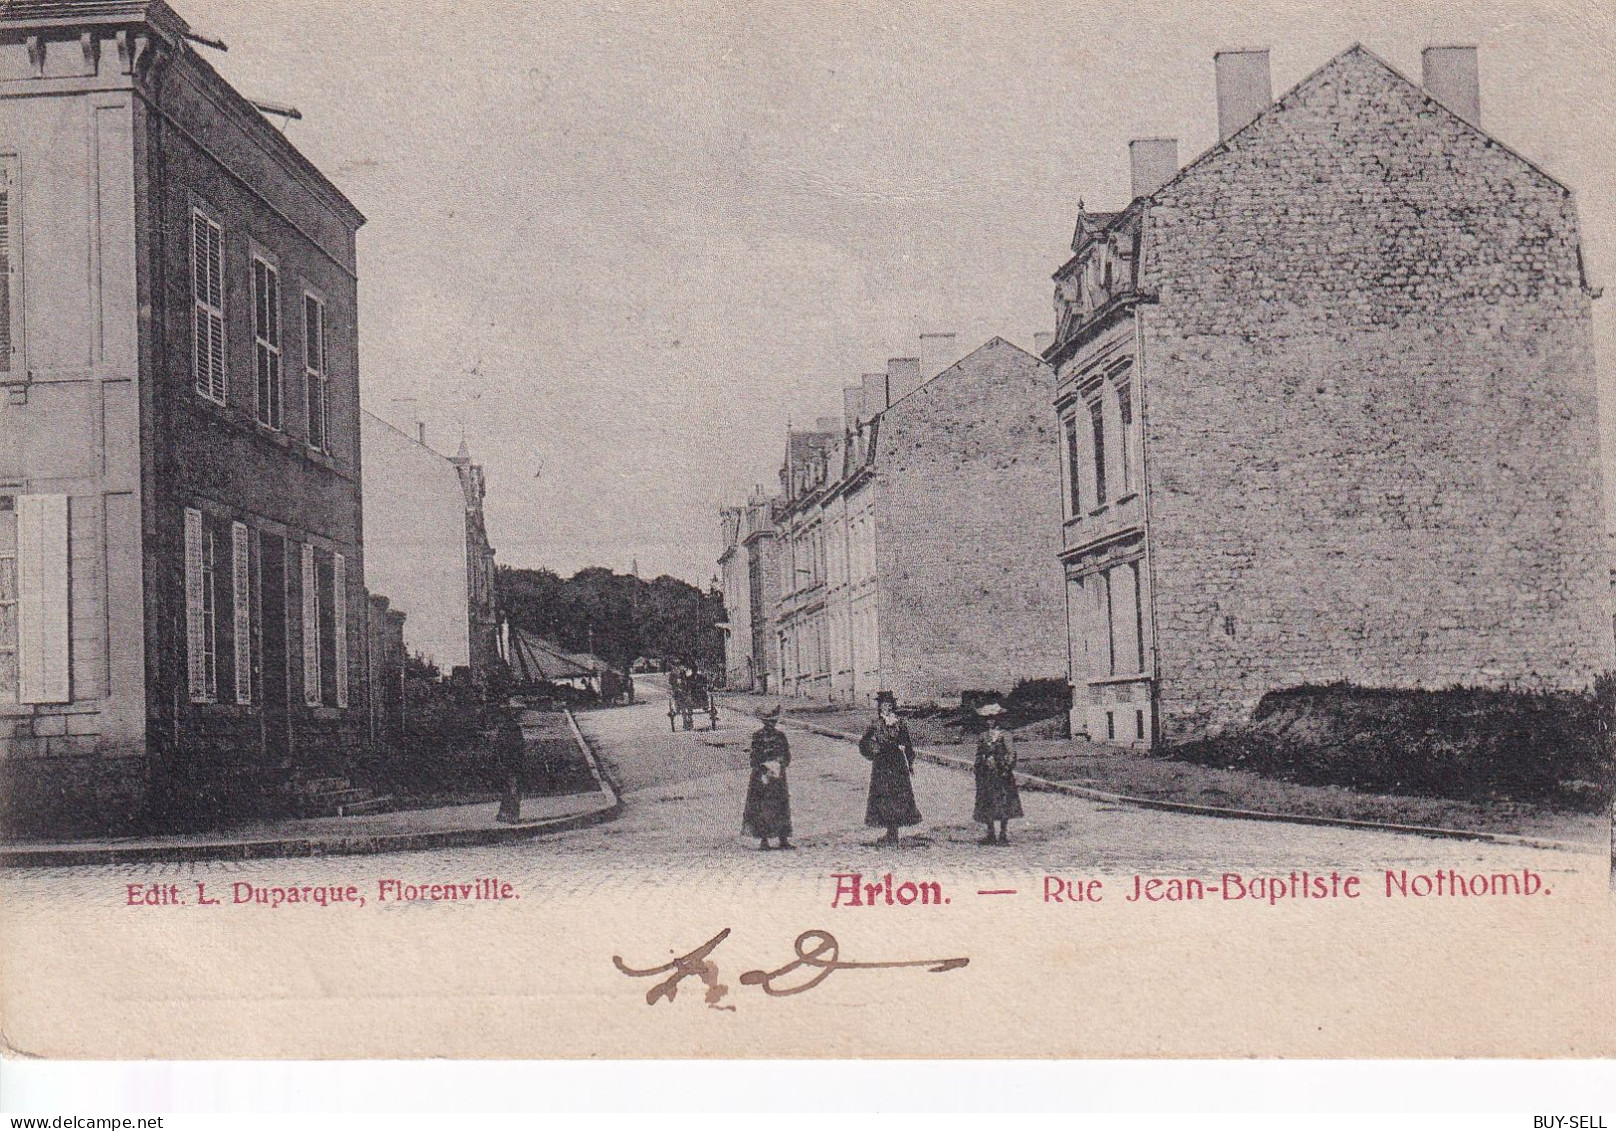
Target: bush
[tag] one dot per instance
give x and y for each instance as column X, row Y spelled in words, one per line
column 1469, row 744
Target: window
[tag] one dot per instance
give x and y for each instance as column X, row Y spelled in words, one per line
column 1074, row 467
column 207, row 294
column 1097, row 421
column 39, row 601
column 1103, row 652
column 8, row 600
column 201, row 620
column 1123, row 583
column 267, row 342
column 241, row 602
column 311, row 629
column 1124, row 389
column 315, row 372
column 8, row 343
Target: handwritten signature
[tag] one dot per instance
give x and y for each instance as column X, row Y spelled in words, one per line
column 817, row 951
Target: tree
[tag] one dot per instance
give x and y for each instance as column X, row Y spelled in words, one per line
column 619, row 617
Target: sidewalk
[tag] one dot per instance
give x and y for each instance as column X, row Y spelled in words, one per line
column 411, row 830
column 1119, row 776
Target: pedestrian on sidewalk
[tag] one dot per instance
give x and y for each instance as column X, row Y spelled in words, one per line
column 768, row 801
column 512, row 750
column 891, row 754
column 997, row 798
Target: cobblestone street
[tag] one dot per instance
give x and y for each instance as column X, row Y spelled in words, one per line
column 682, row 794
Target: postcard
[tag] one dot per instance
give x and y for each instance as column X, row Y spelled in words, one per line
column 1025, row 530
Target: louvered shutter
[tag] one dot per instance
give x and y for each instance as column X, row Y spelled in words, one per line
column 5, row 271
column 195, row 623
column 42, row 599
column 241, row 588
column 339, row 622
column 311, row 630
column 216, row 301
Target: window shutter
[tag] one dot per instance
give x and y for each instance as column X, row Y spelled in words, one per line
column 42, row 602
column 5, row 271
column 311, row 630
column 240, row 576
column 195, row 625
column 339, row 621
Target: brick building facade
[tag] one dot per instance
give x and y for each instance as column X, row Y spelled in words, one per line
column 1328, row 404
column 179, row 440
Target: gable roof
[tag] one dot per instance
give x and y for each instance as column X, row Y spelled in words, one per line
column 1355, row 54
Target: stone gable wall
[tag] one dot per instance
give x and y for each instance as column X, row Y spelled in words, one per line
column 968, row 519
column 1370, row 411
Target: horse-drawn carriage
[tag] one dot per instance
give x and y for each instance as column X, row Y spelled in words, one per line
column 690, row 691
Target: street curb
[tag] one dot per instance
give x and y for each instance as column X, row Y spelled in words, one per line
column 1037, row 784
column 332, row 845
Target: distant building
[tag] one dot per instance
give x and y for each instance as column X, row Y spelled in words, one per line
column 749, row 580
column 183, row 618
column 916, row 544
column 427, row 548
column 1328, row 408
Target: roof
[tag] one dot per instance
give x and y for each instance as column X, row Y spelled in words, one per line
column 1093, row 223
column 1352, row 54
column 59, row 13
column 536, row 658
column 19, row 16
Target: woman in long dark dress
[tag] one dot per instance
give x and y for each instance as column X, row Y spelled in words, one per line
column 997, row 798
column 768, row 801
column 886, row 744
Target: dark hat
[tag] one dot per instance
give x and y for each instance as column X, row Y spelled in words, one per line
column 885, row 697
column 771, row 714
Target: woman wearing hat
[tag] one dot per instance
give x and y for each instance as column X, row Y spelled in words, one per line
column 768, row 802
column 892, row 762
column 997, row 798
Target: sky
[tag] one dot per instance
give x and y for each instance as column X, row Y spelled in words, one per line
column 620, row 247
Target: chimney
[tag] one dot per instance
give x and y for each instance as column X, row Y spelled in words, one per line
column 853, row 405
column 1152, row 161
column 875, row 394
column 903, row 377
column 1041, row 342
column 1244, row 88
column 1453, row 77
column 937, row 353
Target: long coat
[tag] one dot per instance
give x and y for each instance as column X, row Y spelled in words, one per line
column 768, row 801
column 892, row 761
column 997, row 798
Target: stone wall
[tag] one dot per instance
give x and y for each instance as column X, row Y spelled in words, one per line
column 1370, row 410
column 968, row 519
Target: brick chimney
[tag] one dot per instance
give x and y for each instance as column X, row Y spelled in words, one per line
column 903, row 377
column 1452, row 76
column 875, row 394
column 1244, row 88
column 1152, row 162
column 937, row 353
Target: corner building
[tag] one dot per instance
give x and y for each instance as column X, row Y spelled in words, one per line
column 1327, row 402
column 182, row 605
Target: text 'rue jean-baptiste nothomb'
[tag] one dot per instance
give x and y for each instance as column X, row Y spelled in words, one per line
column 1318, row 406
column 184, row 614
